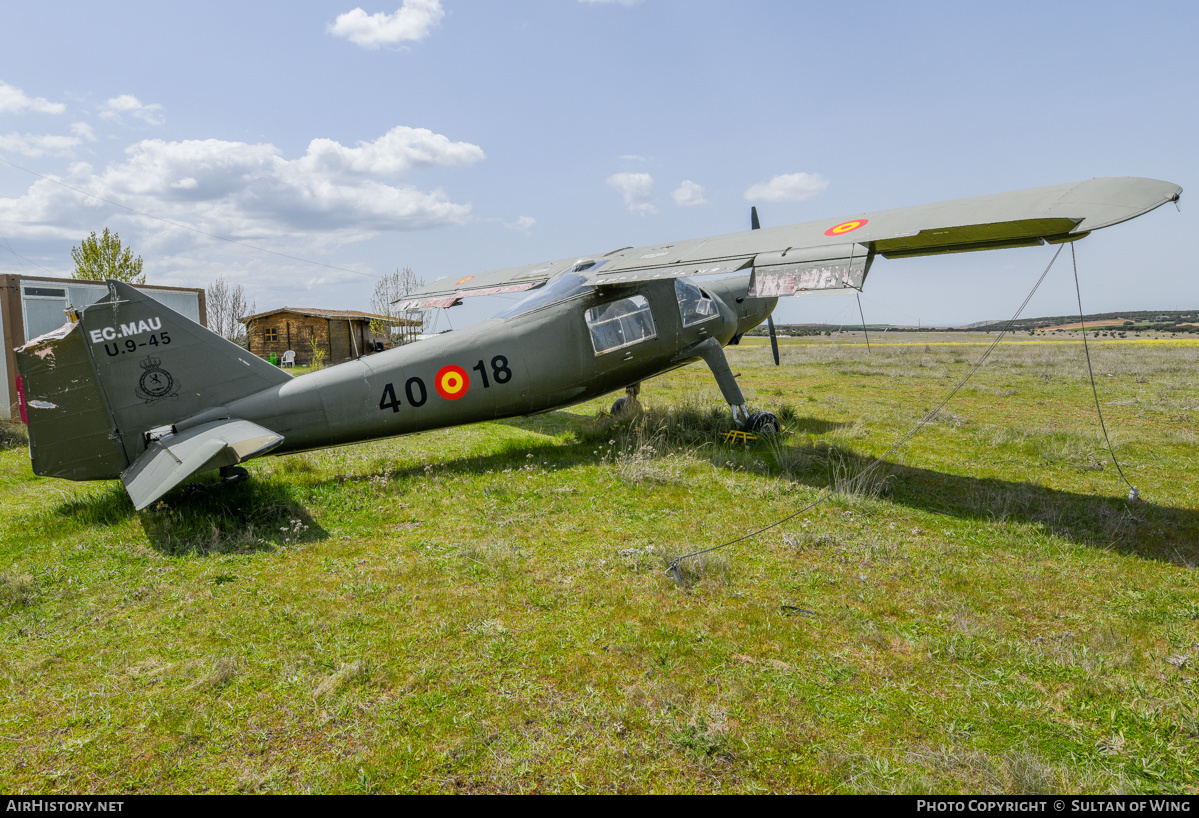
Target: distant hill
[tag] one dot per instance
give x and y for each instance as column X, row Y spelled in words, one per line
column 1131, row 320
column 1128, row 321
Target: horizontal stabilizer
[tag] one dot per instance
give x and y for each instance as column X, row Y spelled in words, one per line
column 173, row 458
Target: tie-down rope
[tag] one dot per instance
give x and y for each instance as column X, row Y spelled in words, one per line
column 673, row 569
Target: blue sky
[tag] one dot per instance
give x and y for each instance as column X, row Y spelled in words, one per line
column 455, row 136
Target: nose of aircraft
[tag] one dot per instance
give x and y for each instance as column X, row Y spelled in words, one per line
column 741, row 310
column 753, row 311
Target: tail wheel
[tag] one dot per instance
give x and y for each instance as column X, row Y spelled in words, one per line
column 763, row 423
column 619, row 405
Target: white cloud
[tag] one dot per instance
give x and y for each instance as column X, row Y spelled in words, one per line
column 241, row 190
column 414, row 20
column 117, row 107
column 637, row 189
column 83, row 131
column 397, row 151
column 789, row 187
column 47, row 210
column 125, row 102
column 14, row 101
column 522, row 223
column 38, row 144
column 689, row 194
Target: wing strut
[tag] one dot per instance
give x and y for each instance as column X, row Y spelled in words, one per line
column 858, row 296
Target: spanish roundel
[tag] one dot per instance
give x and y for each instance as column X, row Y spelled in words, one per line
column 845, row 227
column 451, row 382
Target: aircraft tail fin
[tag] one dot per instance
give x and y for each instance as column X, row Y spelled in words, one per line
column 99, row 391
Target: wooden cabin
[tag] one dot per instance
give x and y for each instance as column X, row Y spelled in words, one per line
column 342, row 335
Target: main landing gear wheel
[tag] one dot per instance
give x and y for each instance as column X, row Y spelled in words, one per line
column 232, row 475
column 629, row 401
column 763, row 423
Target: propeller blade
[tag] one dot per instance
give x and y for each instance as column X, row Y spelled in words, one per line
column 754, row 224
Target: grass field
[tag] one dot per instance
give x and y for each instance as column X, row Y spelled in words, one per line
column 486, row 609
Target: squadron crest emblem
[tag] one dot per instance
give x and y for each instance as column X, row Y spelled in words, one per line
column 156, row 383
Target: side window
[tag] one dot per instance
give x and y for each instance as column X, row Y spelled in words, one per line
column 695, row 305
column 620, row 324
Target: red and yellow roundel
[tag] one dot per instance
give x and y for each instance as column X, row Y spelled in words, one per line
column 845, row 227
column 463, row 281
column 451, row 382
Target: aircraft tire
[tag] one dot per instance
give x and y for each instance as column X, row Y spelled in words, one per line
column 763, row 423
column 619, row 405
column 234, row 474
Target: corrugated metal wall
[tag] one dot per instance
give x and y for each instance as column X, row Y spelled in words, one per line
column 30, row 307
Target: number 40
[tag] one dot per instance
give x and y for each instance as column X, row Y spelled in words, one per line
column 417, row 394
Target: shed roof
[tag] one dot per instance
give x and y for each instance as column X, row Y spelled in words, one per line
column 73, row 282
column 339, row 315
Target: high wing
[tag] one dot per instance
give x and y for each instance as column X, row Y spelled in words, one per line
column 445, row 292
column 837, row 253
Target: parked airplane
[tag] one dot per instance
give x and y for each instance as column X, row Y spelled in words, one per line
column 130, row 389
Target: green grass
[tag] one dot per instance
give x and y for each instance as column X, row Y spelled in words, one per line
column 487, row 609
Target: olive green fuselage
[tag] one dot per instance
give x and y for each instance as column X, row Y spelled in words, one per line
column 499, row 368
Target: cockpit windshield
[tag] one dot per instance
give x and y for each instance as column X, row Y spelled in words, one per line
column 560, row 289
column 695, row 305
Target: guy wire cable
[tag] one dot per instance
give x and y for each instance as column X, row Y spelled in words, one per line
column 673, row 569
column 1133, row 494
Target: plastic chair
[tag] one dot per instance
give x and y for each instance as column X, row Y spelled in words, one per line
column 289, row 358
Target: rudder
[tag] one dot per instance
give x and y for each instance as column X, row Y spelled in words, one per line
column 71, row 433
